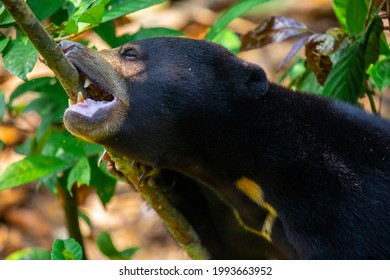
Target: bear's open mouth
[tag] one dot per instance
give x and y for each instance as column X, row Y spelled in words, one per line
column 94, row 99
column 93, row 92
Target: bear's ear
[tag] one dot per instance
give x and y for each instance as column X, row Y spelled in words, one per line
column 257, row 81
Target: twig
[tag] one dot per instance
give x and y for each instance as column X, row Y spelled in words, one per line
column 72, row 217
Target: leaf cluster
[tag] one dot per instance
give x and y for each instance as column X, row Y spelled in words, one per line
column 342, row 63
column 70, row 249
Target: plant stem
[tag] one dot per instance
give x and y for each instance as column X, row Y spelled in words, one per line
column 72, row 217
column 388, row 11
column 372, row 102
column 47, row 48
column 368, row 15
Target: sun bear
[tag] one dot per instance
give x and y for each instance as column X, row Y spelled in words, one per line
column 311, row 174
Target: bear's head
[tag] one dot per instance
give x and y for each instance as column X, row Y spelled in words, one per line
column 145, row 98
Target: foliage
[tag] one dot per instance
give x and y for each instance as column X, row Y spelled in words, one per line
column 67, row 249
column 346, row 62
column 336, row 62
column 107, row 247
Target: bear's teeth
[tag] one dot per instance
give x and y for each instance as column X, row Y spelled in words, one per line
column 80, row 98
column 87, row 83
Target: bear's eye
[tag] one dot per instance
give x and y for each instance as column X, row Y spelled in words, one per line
column 130, row 54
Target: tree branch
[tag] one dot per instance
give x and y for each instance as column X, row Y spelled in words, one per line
column 178, row 226
column 48, row 49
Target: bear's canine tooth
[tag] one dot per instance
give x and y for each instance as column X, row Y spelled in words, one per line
column 87, row 83
column 80, row 98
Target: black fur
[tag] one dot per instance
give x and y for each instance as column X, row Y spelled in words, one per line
column 199, row 111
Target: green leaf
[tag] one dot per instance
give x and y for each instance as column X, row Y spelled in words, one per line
column 91, row 149
column 37, row 85
column 67, row 143
column 351, row 14
column 2, row 105
column 29, row 169
column 30, row 254
column 5, row 17
column 45, row 8
column 380, row 74
column 3, row 43
column 50, row 106
column 71, row 27
column 50, row 182
column 145, row 33
column 118, row 8
column 345, row 79
column 234, row 12
column 294, row 71
column 19, row 58
column 25, row 147
column 85, row 218
column 372, row 42
column 229, row 40
column 302, row 77
column 80, row 7
column 106, row 31
column 308, row 83
column 68, row 249
column 106, row 246
column 94, row 14
column 80, row 173
column 103, row 182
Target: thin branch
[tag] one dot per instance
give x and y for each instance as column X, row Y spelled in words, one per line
column 380, row 103
column 72, row 217
column 47, row 48
column 178, row 226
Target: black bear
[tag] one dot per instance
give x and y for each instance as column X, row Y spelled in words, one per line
column 311, row 174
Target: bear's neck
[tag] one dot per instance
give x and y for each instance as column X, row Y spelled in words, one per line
column 278, row 146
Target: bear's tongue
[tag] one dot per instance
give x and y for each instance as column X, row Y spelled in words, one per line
column 95, row 100
column 88, row 107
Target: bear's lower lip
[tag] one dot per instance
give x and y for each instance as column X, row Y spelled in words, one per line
column 89, row 107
